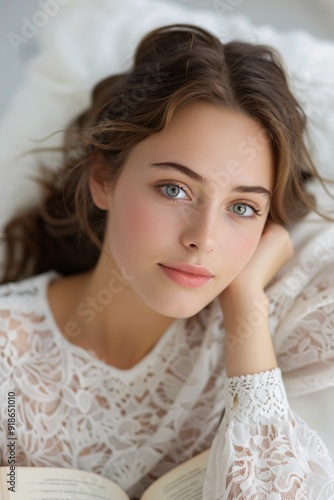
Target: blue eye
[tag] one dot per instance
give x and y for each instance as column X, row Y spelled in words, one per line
column 172, row 190
column 244, row 210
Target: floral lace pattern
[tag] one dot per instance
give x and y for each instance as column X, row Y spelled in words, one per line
column 303, row 315
column 132, row 426
column 74, row 410
column 264, row 450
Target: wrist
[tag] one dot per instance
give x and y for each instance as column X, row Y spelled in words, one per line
column 243, row 299
column 248, row 343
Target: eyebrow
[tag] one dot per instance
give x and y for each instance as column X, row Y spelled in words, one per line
column 203, row 180
column 252, row 189
column 183, row 169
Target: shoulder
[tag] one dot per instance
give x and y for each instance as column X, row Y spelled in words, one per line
column 26, row 295
column 23, row 313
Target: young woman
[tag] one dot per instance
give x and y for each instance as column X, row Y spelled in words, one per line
column 140, row 336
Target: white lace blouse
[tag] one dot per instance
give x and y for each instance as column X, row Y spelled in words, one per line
column 74, row 410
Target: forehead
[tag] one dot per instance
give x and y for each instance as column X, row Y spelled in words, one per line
column 209, row 138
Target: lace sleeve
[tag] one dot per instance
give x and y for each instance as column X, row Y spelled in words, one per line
column 262, row 449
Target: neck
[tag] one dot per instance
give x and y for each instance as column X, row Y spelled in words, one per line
column 98, row 310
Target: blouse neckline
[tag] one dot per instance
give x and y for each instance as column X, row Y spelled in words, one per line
column 148, row 359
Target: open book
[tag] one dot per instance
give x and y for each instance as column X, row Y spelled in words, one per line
column 48, row 483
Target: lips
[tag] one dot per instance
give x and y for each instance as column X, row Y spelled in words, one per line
column 190, row 269
column 185, row 279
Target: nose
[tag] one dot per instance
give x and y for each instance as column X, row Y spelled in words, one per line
column 200, row 229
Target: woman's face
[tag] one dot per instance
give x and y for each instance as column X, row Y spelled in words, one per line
column 161, row 214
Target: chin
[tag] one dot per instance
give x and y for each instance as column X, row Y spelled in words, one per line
column 179, row 310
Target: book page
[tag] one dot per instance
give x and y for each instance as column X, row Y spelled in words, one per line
column 49, row 483
column 185, row 482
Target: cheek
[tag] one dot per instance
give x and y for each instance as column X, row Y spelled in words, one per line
column 137, row 227
column 145, row 221
column 241, row 250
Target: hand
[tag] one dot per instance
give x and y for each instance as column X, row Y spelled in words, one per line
column 275, row 249
column 249, row 347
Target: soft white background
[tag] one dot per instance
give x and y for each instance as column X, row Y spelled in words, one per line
column 315, row 16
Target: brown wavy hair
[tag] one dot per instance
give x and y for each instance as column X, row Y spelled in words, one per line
column 173, row 66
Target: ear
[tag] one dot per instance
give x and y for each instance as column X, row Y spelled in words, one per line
column 99, row 188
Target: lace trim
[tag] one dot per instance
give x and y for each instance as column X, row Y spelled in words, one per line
column 255, row 396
